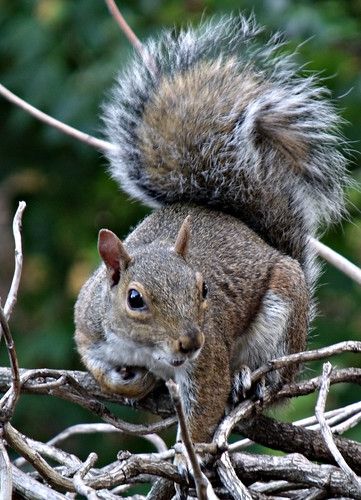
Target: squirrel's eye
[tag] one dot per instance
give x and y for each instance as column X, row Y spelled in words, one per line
column 135, row 299
column 204, row 290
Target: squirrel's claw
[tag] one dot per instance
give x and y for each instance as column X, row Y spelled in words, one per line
column 242, row 387
column 241, row 384
column 260, row 389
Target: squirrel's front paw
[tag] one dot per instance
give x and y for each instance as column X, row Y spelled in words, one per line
column 132, row 382
column 241, row 385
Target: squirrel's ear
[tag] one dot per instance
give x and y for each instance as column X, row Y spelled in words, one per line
column 113, row 253
column 182, row 241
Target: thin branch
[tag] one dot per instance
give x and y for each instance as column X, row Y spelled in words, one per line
column 12, row 296
column 134, row 466
column 289, row 438
column 162, row 489
column 49, row 120
column 83, row 398
column 326, row 431
column 340, row 420
column 124, row 26
column 337, row 260
column 272, row 487
column 78, row 429
column 278, row 439
column 8, row 401
column 201, row 482
column 6, row 479
column 303, row 357
column 24, row 483
column 132, row 37
column 19, row 443
column 347, row 424
column 297, row 469
column 78, row 479
column 158, row 402
column 75, row 392
column 333, row 416
column 121, row 488
column 305, row 387
column 50, row 451
column 157, row 442
column 231, row 481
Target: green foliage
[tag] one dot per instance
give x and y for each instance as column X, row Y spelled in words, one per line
column 61, row 56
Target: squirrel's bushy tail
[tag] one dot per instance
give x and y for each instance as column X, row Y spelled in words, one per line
column 226, row 121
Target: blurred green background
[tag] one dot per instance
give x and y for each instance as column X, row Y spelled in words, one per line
column 62, row 56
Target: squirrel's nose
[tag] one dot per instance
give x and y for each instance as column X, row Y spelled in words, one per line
column 188, row 344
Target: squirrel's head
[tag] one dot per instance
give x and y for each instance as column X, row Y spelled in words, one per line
column 156, row 299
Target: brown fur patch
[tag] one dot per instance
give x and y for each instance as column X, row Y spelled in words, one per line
column 191, row 110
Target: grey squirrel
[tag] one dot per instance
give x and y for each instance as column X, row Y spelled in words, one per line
column 238, row 154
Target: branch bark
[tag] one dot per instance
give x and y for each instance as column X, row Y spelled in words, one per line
column 326, row 431
column 293, row 439
column 53, row 122
column 295, row 468
column 14, row 288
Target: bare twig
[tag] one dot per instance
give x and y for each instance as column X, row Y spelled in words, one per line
column 19, row 443
column 132, row 37
column 154, row 439
column 24, row 484
column 333, row 416
column 326, row 431
column 157, row 442
column 230, row 480
column 78, row 479
column 203, row 487
column 37, row 382
column 290, row 439
column 303, row 357
column 120, row 474
column 297, row 469
column 337, row 260
column 124, row 26
column 339, row 420
column 134, row 466
column 347, row 424
column 8, row 402
column 49, row 120
column 6, row 480
column 50, row 451
column 121, row 488
column 294, row 389
column 12, row 296
column 83, row 398
column 73, row 391
column 272, row 487
column 71, row 461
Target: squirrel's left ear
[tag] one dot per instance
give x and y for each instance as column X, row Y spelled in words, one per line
column 113, row 253
column 183, row 237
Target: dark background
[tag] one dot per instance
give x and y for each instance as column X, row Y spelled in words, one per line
column 62, row 56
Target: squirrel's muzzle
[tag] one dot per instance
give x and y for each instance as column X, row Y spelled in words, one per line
column 189, row 343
